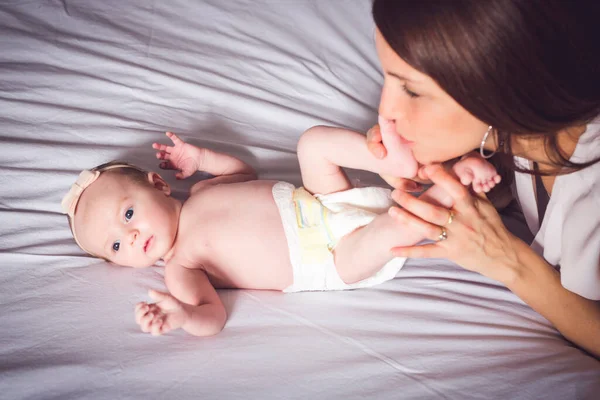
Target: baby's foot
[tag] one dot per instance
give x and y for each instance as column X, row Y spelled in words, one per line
column 399, row 155
column 473, row 169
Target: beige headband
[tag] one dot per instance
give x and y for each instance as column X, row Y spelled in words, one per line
column 85, row 179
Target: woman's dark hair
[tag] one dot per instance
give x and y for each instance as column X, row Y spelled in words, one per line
column 526, row 67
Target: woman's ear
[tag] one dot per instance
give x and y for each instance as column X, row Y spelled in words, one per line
column 159, row 183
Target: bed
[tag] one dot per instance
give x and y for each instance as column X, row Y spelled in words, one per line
column 83, row 82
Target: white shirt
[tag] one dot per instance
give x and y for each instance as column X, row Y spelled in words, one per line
column 569, row 237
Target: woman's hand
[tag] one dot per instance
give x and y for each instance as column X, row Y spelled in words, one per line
column 378, row 149
column 476, row 236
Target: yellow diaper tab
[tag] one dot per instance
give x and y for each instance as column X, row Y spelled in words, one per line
column 314, row 232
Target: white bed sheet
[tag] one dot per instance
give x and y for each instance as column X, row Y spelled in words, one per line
column 83, row 82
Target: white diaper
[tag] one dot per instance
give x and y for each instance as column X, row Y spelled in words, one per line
column 314, row 224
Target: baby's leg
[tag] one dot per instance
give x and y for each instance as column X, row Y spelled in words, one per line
column 366, row 250
column 363, row 252
column 474, row 169
column 323, row 152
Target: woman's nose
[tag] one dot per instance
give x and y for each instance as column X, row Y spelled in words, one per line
column 391, row 104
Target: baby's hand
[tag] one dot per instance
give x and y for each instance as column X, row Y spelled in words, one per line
column 181, row 156
column 158, row 318
column 473, row 169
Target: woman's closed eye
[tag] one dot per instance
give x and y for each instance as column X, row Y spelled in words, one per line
column 409, row 92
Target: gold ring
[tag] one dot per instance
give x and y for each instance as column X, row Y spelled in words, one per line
column 450, row 218
column 443, row 235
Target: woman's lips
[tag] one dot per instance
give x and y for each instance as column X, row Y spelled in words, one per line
column 403, row 140
column 406, row 142
column 148, row 244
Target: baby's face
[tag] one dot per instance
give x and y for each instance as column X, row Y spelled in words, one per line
column 127, row 223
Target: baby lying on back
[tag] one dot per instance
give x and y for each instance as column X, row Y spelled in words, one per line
column 235, row 231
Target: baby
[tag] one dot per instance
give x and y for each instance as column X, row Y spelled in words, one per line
column 235, row 231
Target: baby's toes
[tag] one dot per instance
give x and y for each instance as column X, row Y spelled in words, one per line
column 465, row 175
column 497, row 178
column 477, row 188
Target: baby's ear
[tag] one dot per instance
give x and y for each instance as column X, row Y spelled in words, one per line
column 159, row 183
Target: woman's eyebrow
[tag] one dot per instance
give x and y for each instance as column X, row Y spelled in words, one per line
column 402, row 77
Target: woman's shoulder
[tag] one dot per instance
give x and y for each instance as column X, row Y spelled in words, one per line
column 579, row 198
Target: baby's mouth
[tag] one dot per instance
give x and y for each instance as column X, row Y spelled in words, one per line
column 148, row 243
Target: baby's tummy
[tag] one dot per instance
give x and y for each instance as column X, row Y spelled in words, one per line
column 249, row 249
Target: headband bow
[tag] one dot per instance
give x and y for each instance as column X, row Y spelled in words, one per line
column 85, row 179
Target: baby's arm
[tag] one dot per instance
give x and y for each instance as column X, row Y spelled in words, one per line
column 323, row 152
column 194, row 305
column 188, row 159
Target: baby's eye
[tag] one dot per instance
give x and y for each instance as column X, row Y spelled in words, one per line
column 129, row 213
column 116, row 245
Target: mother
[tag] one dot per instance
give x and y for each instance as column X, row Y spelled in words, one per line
column 521, row 79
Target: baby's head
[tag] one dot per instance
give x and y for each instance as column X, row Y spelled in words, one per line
column 123, row 214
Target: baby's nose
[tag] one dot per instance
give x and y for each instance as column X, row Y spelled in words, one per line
column 133, row 236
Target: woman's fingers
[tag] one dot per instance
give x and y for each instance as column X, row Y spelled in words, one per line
column 374, row 142
column 463, row 200
column 432, row 250
column 438, row 216
column 404, row 184
column 426, row 229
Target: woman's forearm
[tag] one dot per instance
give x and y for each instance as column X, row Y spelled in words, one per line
column 575, row 317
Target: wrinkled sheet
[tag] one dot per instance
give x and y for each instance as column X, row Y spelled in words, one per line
column 83, row 82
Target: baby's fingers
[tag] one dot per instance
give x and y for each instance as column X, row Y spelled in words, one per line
column 146, row 321
column 166, row 165
column 156, row 328
column 162, row 147
column 140, row 310
column 163, row 155
column 174, row 138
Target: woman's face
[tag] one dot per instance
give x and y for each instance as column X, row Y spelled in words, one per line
column 436, row 126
